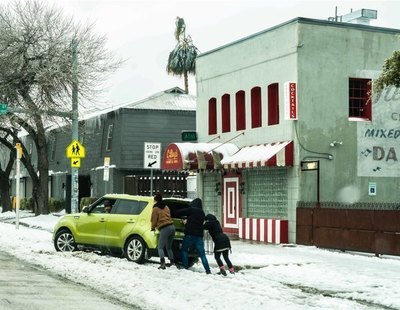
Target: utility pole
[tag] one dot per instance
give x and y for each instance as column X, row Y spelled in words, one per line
column 75, row 133
column 17, row 174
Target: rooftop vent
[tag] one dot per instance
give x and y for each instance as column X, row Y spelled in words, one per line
column 362, row 16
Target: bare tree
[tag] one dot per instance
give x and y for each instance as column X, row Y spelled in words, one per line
column 36, row 73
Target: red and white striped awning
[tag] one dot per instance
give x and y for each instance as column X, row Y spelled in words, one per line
column 194, row 156
column 270, row 154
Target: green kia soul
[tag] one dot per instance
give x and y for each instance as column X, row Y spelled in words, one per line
column 126, row 229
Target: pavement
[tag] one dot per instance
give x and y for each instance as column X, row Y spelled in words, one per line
column 25, row 287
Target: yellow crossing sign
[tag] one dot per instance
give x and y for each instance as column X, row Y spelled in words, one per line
column 75, row 162
column 75, row 150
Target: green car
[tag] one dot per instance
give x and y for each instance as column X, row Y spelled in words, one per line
column 126, row 229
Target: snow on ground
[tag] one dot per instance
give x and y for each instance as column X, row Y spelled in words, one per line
column 270, row 276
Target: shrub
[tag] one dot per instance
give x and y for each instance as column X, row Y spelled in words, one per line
column 26, row 204
column 56, row 204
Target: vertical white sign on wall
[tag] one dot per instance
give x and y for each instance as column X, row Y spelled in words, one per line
column 106, row 176
column 372, row 188
column 290, row 99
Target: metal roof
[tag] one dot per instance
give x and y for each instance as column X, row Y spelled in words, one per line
column 170, row 99
column 173, row 99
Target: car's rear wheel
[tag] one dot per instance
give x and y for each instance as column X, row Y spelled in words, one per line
column 65, row 241
column 135, row 249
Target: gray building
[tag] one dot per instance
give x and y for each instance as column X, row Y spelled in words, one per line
column 295, row 97
column 114, row 140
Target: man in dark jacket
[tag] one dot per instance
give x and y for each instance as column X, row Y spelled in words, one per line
column 194, row 233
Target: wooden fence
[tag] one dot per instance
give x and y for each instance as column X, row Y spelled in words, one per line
column 373, row 231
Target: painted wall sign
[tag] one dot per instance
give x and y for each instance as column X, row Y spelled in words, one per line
column 378, row 141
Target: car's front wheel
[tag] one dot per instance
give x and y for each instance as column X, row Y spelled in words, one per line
column 135, row 249
column 65, row 241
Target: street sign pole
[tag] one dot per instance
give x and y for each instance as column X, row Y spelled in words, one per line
column 75, row 133
column 151, row 182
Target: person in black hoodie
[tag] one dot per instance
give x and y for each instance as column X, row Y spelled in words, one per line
column 194, row 233
column 222, row 244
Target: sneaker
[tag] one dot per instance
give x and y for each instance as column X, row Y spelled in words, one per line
column 222, row 271
column 208, row 272
column 232, row 270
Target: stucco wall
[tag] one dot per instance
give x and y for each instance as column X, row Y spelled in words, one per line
column 327, row 57
column 263, row 59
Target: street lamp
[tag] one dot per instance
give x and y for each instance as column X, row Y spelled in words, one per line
column 312, row 166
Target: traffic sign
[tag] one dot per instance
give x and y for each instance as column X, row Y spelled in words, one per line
column 75, row 150
column 75, row 162
column 3, row 108
column 19, row 150
column 152, row 155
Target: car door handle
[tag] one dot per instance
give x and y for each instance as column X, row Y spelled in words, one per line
column 131, row 221
column 102, row 220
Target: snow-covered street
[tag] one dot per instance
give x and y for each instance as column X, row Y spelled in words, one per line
column 270, row 276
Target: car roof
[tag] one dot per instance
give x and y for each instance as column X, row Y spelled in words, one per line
column 139, row 197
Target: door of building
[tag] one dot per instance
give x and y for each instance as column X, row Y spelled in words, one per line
column 231, row 204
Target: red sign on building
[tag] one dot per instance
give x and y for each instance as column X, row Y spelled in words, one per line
column 290, row 101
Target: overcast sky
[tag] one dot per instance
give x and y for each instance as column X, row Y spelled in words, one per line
column 143, row 31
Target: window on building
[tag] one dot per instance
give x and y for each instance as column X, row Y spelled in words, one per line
column 109, row 137
column 226, row 112
column 240, row 110
column 256, row 107
column 212, row 116
column 360, row 99
column 273, row 104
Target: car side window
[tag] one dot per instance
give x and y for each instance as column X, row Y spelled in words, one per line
column 99, row 208
column 130, row 207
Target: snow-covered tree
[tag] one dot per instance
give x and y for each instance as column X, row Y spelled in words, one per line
column 390, row 75
column 36, row 74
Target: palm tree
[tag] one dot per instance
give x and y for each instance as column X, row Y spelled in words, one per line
column 181, row 60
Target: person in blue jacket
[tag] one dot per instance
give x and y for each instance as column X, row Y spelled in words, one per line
column 194, row 233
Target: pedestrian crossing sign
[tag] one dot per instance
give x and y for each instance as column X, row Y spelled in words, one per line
column 75, row 150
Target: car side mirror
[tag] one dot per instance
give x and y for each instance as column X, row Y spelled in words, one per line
column 85, row 209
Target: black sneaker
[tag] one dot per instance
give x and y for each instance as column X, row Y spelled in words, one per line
column 208, row 272
column 222, row 271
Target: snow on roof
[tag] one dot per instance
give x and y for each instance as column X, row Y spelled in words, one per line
column 167, row 100
column 170, row 99
column 187, row 148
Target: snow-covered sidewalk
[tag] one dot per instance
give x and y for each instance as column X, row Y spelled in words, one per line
column 270, row 276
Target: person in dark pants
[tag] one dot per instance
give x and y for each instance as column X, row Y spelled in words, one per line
column 161, row 219
column 194, row 233
column 222, row 244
